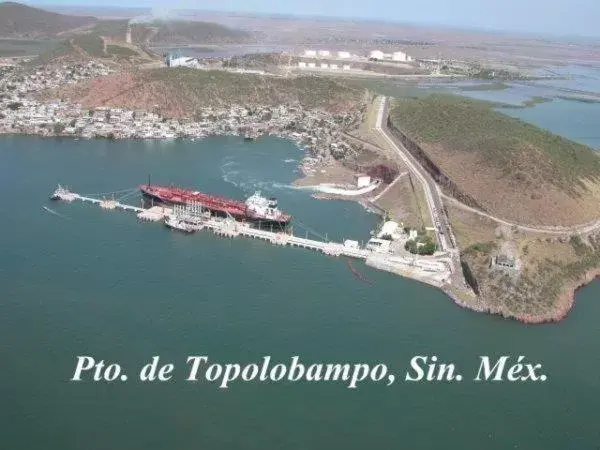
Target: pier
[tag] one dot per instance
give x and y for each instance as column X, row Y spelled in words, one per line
column 435, row 271
column 227, row 227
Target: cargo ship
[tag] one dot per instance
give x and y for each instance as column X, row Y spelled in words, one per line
column 257, row 209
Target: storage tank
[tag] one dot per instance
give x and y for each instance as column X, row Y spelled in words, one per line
column 376, row 54
column 399, row 56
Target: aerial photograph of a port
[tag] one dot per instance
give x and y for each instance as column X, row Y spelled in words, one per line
column 408, row 190
column 367, row 114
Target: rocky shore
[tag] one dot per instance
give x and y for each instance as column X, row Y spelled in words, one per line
column 563, row 305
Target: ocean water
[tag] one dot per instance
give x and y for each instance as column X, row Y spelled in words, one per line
column 83, row 281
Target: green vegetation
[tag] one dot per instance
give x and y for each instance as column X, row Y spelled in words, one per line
column 535, row 100
column 519, row 150
column 18, row 20
column 484, row 248
column 578, row 245
column 189, row 32
column 579, row 99
column 485, row 87
column 111, row 28
column 422, row 245
column 60, row 49
column 193, row 89
column 119, row 50
column 23, row 47
column 92, row 44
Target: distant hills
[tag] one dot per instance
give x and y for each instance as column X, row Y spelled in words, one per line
column 17, row 20
column 21, row 21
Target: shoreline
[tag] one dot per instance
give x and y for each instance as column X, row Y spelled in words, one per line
column 565, row 301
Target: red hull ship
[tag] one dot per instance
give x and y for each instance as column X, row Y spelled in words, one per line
column 256, row 209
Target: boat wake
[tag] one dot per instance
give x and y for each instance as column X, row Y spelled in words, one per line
column 248, row 184
column 51, row 211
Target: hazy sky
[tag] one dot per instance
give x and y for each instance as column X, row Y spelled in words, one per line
column 553, row 17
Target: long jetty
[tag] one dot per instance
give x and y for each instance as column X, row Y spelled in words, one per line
column 222, row 227
column 434, row 271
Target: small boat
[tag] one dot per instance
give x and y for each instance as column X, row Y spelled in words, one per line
column 176, row 224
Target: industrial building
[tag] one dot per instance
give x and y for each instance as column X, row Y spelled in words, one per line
column 310, row 53
column 181, row 61
column 333, row 66
column 401, row 56
column 343, row 55
column 301, row 64
column 324, row 53
column 324, row 65
column 376, row 54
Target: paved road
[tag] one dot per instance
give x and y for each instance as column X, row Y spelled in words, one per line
column 433, row 196
column 432, row 191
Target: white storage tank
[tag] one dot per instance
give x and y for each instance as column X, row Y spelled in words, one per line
column 376, row 54
column 399, row 56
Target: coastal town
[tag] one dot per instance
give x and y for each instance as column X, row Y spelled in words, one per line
column 318, row 132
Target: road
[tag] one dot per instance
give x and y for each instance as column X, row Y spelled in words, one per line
column 433, row 194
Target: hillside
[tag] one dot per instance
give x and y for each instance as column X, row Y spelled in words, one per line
column 185, row 32
column 504, row 166
column 181, row 92
column 18, row 20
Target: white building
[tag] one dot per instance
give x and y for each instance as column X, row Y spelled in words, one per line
column 343, row 55
column 302, row 64
column 182, row 61
column 398, row 56
column 312, row 65
column 376, row 54
column 346, row 67
column 379, row 245
column 324, row 53
column 363, row 181
column 389, row 228
column 310, row 53
column 324, row 65
column 333, row 66
column 401, row 56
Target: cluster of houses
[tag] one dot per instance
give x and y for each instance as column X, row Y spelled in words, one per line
column 317, row 131
column 18, row 82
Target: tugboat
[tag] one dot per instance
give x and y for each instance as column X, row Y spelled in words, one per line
column 180, row 225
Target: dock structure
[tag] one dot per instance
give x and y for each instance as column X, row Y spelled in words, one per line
column 195, row 217
column 64, row 194
column 435, row 271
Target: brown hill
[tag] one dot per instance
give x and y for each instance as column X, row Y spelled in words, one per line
column 509, row 168
column 181, row 32
column 17, row 20
column 182, row 92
